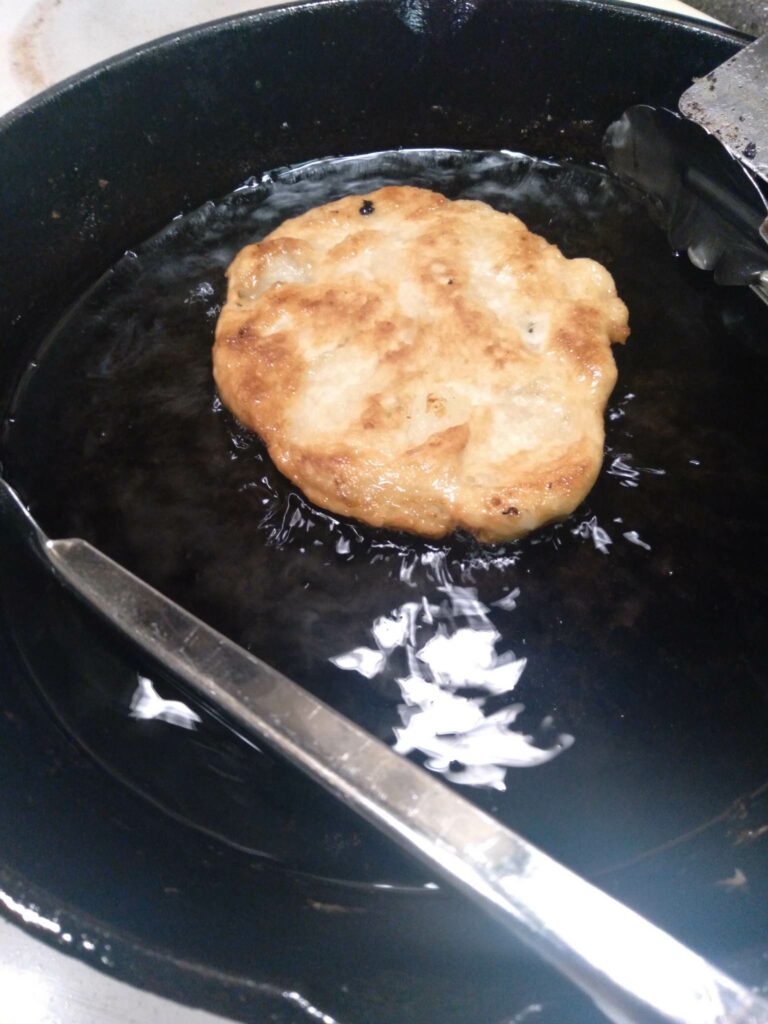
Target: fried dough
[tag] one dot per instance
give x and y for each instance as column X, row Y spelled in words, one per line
column 422, row 364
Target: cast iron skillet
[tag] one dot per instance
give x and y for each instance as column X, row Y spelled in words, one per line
column 660, row 798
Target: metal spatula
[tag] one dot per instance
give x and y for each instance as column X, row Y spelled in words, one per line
column 731, row 102
column 705, row 174
column 632, row 970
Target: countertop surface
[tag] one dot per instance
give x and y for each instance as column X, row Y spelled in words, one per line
column 39, row 985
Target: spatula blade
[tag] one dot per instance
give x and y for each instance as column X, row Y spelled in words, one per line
column 731, row 102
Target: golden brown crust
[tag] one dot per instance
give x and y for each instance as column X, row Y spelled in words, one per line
column 428, row 366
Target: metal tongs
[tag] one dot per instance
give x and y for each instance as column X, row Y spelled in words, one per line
column 704, row 175
column 634, row 972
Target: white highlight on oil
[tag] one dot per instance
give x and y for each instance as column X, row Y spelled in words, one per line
column 453, row 669
column 147, row 703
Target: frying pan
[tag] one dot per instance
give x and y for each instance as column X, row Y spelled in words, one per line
column 253, row 896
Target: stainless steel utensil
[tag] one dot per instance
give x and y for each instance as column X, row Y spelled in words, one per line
column 731, row 103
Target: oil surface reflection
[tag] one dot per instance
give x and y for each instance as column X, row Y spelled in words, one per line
column 455, row 687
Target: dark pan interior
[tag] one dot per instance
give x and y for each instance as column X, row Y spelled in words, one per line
column 651, row 659
column 626, row 648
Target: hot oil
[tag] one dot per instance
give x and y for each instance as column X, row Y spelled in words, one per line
column 633, row 620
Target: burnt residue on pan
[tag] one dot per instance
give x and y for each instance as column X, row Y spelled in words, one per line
column 634, row 620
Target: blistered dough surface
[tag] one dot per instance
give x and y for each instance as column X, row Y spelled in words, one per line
column 422, row 364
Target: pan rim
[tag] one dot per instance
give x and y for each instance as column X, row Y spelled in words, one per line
column 275, row 12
